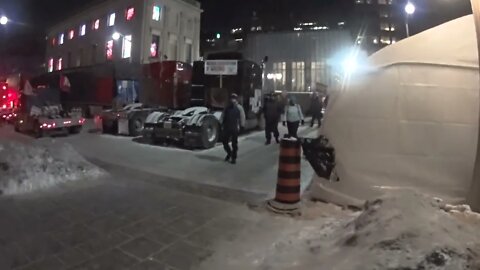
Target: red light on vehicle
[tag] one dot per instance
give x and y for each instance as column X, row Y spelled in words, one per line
column 4, row 96
column 130, row 13
column 9, row 94
column 4, row 106
column 11, row 104
column 4, row 87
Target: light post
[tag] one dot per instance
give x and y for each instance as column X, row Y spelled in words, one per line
column 409, row 10
column 3, row 20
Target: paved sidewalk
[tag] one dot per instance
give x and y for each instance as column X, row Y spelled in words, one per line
column 114, row 224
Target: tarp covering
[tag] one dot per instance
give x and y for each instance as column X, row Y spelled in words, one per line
column 411, row 120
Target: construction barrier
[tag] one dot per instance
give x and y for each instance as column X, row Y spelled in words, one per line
column 287, row 197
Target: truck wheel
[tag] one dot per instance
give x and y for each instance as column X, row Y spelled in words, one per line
column 209, row 132
column 135, row 125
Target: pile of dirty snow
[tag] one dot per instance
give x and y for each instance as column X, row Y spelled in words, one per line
column 402, row 230
column 26, row 168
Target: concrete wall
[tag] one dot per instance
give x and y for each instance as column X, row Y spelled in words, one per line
column 291, row 47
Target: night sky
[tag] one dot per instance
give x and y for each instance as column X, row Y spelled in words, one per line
column 25, row 35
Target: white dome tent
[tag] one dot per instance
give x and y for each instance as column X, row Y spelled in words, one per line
column 410, row 121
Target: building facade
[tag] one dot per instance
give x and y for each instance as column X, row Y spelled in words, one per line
column 378, row 23
column 126, row 32
column 298, row 61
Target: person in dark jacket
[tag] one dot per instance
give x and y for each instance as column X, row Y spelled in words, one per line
column 272, row 110
column 316, row 106
column 233, row 121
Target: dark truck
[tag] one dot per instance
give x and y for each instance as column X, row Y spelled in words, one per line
column 166, row 85
column 199, row 126
column 42, row 114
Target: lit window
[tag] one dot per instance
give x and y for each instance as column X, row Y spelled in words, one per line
column 50, row 65
column 127, row 47
column 111, row 19
column 156, row 13
column 385, row 40
column 382, row 2
column 60, row 63
column 369, row 2
column 82, row 30
column 109, row 50
column 280, row 68
column 130, row 13
column 96, row 24
column 54, row 41
column 298, row 76
column 359, row 1
column 61, row 38
column 71, row 34
column 154, row 46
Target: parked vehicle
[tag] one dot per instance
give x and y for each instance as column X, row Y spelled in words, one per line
column 42, row 114
column 9, row 99
column 199, row 126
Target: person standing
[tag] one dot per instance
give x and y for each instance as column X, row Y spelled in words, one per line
column 293, row 117
column 272, row 112
column 233, row 121
column 316, row 106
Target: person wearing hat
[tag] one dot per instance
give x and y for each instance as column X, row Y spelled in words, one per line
column 292, row 117
column 233, row 121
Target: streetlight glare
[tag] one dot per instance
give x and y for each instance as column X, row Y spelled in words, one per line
column 116, row 36
column 410, row 8
column 3, row 20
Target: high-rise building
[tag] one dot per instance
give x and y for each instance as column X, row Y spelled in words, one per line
column 378, row 23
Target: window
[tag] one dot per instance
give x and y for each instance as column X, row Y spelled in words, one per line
column 369, row 2
column 82, row 30
column 298, row 76
column 154, row 46
column 61, row 38
column 127, row 47
column 130, row 13
column 96, row 24
column 385, row 40
column 384, row 14
column 157, row 11
column 54, row 41
column 188, row 51
column 50, row 65
column 280, row 68
column 71, row 34
column 359, row 2
column 390, row 2
column 109, row 50
column 111, row 19
column 382, row 2
column 319, row 74
column 60, row 63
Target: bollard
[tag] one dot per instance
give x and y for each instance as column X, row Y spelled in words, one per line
column 287, row 197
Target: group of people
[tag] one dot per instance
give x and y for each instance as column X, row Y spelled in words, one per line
column 274, row 110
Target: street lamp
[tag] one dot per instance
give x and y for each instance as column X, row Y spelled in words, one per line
column 116, row 36
column 409, row 10
column 3, row 20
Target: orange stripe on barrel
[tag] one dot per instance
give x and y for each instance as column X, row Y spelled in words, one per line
column 289, row 167
column 290, row 152
column 288, row 182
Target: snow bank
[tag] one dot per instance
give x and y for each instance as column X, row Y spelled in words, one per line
column 26, row 168
column 402, row 230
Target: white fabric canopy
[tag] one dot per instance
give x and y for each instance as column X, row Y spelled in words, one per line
column 412, row 119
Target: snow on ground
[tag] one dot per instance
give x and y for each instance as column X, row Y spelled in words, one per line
column 401, row 230
column 29, row 167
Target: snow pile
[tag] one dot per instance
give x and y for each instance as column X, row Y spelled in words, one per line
column 26, row 168
column 401, row 230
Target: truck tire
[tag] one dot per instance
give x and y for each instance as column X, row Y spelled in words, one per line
column 209, row 132
column 135, row 125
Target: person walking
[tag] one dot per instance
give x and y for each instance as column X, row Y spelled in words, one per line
column 316, row 106
column 272, row 112
column 233, row 121
column 293, row 116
